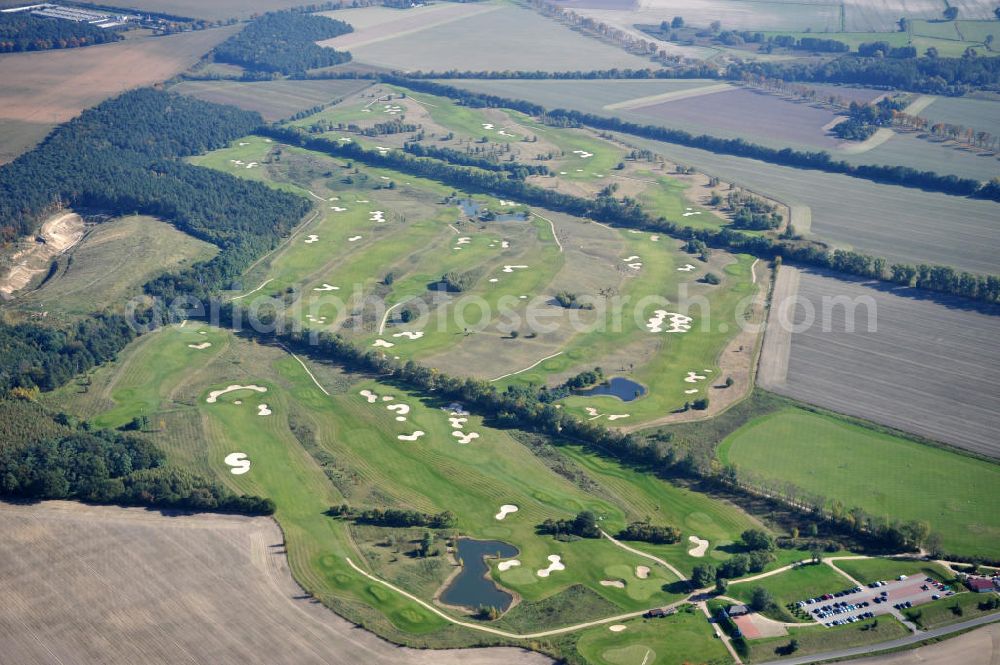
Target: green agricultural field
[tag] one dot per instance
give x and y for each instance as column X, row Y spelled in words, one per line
column 883, row 474
column 820, row 639
column 685, row 637
column 791, row 586
column 867, row 571
column 111, row 263
column 953, row 609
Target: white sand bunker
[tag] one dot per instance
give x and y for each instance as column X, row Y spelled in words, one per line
column 694, row 377
column 655, row 238
column 618, row 416
column 687, row 267
column 513, row 268
column 635, row 266
column 263, row 410
column 679, row 323
column 463, row 437
column 400, row 410
column 493, row 280
column 242, row 143
column 688, row 214
column 383, row 343
column 630, row 258
column 618, row 584
column 239, row 462
column 338, row 209
column 506, row 203
column 327, row 287
column 700, row 546
column 376, row 216
column 617, row 628
column 503, row 133
column 464, row 240
column 505, row 510
column 591, row 411
column 487, row 125
column 311, row 239
column 411, row 437
column 203, row 345
column 583, row 154
column 369, row 395
column 237, row 402
column 354, row 239
column 507, row 565
column 215, row 394
column 642, row 572
column 362, row 201
column 504, row 244
column 555, row 563
column 457, row 423
column 387, row 398
column 409, row 335
column 692, row 391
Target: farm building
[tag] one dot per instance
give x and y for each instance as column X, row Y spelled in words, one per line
column 982, row 584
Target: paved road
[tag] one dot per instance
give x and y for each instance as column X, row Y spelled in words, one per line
column 882, row 646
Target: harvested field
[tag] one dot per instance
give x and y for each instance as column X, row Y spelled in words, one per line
column 107, row 585
column 980, row 114
column 376, row 24
column 18, row 137
column 755, row 15
column 54, row 86
column 272, row 99
column 507, row 38
column 212, row 11
column 926, row 369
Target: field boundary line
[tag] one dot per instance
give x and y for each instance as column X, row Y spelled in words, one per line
column 674, row 95
column 662, row 562
column 497, row 631
column 311, row 375
column 558, row 353
column 553, row 226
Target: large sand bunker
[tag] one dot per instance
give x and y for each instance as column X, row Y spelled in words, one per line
column 617, row 628
column 555, row 563
column 464, row 437
column 215, row 394
column 507, row 565
column 203, row 345
column 618, row 584
column 505, row 510
column 411, row 437
column 679, row 323
column 700, row 546
column 239, row 463
column 642, row 572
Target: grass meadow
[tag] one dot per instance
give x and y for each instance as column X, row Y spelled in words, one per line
column 883, row 474
column 867, row 571
column 791, row 586
column 272, row 99
column 676, row 640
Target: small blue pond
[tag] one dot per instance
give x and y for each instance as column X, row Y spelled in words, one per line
column 471, row 588
column 478, row 211
column 624, row 389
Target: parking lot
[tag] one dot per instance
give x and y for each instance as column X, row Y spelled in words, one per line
column 885, row 597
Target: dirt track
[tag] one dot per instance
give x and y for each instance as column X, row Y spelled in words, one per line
column 108, row 585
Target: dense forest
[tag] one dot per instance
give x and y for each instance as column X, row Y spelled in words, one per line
column 627, row 212
column 46, row 456
column 20, row 31
column 121, row 157
column 285, row 42
column 821, row 160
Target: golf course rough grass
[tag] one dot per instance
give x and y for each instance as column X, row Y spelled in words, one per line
column 884, row 474
column 685, row 637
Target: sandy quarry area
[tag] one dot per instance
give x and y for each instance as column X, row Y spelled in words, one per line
column 59, row 233
column 89, row 585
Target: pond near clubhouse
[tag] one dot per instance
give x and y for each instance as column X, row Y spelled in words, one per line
column 471, row 588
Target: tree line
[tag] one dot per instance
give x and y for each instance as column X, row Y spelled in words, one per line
column 21, row 31
column 59, row 458
column 517, row 170
column 395, row 517
column 819, row 160
column 629, row 213
column 284, row 42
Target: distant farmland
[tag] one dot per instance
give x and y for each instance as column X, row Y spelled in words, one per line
column 43, row 88
column 88, row 584
column 272, row 99
column 926, row 369
column 508, row 38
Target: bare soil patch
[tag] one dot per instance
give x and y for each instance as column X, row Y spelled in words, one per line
column 57, row 234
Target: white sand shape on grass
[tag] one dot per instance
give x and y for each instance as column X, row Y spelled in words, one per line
column 203, row 345
column 630, row 258
column 311, row 239
column 239, row 462
column 263, row 410
column 505, row 510
column 215, row 394
column 642, row 572
column 655, row 238
column 354, row 239
column 362, row 201
column 618, row 584
column 688, row 214
column 383, row 343
column 464, row 437
column 555, row 563
column 700, row 546
column 411, row 437
column 635, row 266
column 387, row 398
column 338, row 209
column 513, row 268
column 694, row 377
column 487, row 125
column 583, row 154
column 237, row 402
column 504, row 244
column 464, row 240
column 457, row 422
column 619, row 416
column 692, row 391
column 679, row 323
column 591, row 411
column 369, row 395
column 409, row 335
column 617, row 628
column 327, row 287
column 507, row 565
column 506, row 203
column 243, row 143
column 493, row 280
column 687, row 267
column 376, row 216
column 400, row 410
